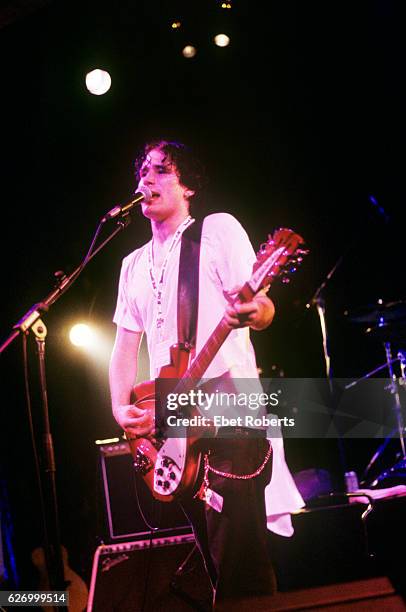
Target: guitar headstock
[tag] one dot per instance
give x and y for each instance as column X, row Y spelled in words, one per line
column 278, row 257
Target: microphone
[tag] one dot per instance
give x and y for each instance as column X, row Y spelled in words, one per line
column 143, row 193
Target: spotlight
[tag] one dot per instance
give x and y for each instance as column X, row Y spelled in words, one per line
column 222, row 40
column 81, row 335
column 98, row 82
column 189, row 51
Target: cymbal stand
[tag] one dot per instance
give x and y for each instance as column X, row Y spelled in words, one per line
column 318, row 301
column 402, row 359
column 394, row 389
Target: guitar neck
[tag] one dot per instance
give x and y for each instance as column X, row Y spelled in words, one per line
column 270, row 261
column 281, row 249
column 199, row 366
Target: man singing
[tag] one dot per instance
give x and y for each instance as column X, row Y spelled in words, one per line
column 245, row 469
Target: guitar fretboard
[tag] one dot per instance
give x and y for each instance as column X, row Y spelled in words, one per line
column 208, row 352
column 198, row 368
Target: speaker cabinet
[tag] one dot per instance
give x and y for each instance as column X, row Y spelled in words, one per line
column 154, row 575
column 130, row 509
column 336, row 544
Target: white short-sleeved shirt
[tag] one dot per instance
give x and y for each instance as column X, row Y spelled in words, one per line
column 226, row 260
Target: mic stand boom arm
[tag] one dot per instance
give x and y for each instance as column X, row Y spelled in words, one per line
column 64, row 283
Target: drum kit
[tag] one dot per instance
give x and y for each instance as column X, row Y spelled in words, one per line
column 386, row 322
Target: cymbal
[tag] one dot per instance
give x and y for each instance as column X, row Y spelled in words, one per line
column 390, row 332
column 379, row 314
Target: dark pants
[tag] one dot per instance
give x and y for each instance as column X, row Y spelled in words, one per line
column 234, row 542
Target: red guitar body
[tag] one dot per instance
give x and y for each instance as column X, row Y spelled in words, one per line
column 170, row 465
column 148, row 453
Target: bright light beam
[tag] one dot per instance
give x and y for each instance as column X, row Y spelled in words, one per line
column 81, row 335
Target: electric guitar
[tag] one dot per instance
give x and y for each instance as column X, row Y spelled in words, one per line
column 170, row 465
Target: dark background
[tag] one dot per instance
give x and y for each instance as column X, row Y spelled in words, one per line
column 299, row 121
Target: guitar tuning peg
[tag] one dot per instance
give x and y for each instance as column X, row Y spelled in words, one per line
column 299, row 260
column 302, row 251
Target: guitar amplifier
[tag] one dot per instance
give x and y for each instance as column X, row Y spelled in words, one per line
column 130, row 510
column 153, row 575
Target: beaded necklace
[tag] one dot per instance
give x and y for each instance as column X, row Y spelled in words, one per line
column 158, row 286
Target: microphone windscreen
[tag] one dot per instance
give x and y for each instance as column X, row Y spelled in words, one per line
column 146, row 192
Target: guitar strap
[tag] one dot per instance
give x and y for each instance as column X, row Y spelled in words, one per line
column 188, row 283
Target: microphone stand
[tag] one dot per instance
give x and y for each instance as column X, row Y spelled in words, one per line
column 32, row 321
column 319, row 302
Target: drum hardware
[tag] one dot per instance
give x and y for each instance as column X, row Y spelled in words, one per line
column 318, row 301
column 380, row 314
column 402, row 359
column 386, row 320
column 399, row 469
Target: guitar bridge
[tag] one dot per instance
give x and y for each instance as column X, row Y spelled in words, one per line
column 142, row 464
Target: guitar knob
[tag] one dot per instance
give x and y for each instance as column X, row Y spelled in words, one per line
column 159, row 472
column 165, row 462
column 166, row 484
column 172, row 476
column 159, row 483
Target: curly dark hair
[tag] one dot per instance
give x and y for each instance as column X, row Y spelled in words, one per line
column 191, row 170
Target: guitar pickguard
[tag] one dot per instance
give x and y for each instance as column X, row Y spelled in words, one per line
column 171, row 462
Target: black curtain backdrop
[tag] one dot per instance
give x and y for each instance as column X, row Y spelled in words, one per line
column 299, row 121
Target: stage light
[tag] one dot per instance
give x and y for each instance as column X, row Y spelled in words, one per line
column 176, row 25
column 221, row 40
column 94, row 340
column 98, row 82
column 81, row 335
column 189, row 51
